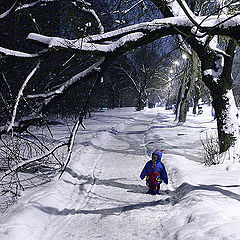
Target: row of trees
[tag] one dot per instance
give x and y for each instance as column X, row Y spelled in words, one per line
column 74, row 54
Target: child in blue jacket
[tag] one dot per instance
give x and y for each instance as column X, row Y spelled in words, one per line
column 155, row 172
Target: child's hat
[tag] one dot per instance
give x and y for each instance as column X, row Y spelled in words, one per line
column 158, row 152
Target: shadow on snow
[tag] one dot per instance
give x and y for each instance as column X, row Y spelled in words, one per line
column 172, row 197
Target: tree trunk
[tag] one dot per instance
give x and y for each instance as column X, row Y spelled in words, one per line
column 168, row 100
column 140, row 103
column 182, row 107
column 179, row 99
column 196, row 98
column 195, row 81
column 184, row 104
column 183, row 111
column 219, row 83
column 226, row 115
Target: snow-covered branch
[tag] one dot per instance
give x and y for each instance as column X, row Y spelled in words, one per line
column 143, row 31
column 93, row 13
column 74, row 79
column 71, row 143
column 10, row 10
column 80, row 122
column 34, row 3
column 82, row 45
column 20, row 94
column 132, row 7
column 14, row 53
column 187, row 11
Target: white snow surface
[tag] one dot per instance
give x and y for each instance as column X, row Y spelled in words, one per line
column 101, row 196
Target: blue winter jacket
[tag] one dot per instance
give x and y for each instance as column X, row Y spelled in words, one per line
column 159, row 168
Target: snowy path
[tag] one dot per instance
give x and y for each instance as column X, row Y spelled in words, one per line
column 101, row 196
column 109, row 203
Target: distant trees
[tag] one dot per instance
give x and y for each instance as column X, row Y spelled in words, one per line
column 143, row 71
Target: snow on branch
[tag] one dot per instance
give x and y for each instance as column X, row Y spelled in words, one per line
column 18, row 7
column 93, row 13
column 188, row 12
column 10, row 10
column 83, row 45
column 103, row 43
column 71, row 81
column 32, row 4
column 20, row 94
column 71, row 143
column 14, row 53
column 79, row 122
column 132, row 7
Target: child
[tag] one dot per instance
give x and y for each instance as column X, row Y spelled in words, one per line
column 155, row 172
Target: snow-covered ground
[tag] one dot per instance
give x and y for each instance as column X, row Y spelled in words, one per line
column 101, row 196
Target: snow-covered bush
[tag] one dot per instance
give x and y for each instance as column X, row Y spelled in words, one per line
column 211, row 150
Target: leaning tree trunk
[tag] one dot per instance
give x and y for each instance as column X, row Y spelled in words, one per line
column 216, row 72
column 184, row 103
column 189, row 82
column 179, row 98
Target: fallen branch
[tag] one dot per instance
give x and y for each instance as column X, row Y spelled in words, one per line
column 19, row 166
column 80, row 121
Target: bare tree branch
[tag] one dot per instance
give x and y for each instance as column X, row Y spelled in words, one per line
column 34, row 159
column 132, row 80
column 132, row 7
column 93, row 13
column 8, row 86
